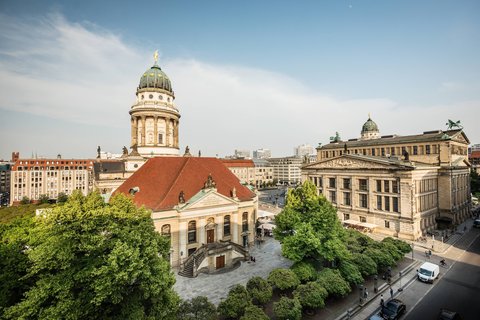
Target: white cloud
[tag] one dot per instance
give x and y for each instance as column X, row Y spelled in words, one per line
column 84, row 74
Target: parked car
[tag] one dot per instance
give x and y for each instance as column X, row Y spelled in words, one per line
column 393, row 309
column 376, row 317
column 448, row 315
column 476, row 223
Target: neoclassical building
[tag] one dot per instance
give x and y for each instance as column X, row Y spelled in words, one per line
column 397, row 185
column 201, row 206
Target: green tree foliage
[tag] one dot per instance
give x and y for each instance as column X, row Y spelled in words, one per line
column 311, row 295
column 304, row 271
column 474, row 182
column 25, row 200
column 366, row 265
column 382, row 258
column 333, row 282
column 43, row 198
column 62, row 197
column 400, row 244
column 356, row 241
column 309, row 227
column 14, row 261
column 350, row 272
column 254, row 313
column 287, row 309
column 392, row 249
column 233, row 307
column 198, row 308
column 91, row 260
column 9, row 214
column 260, row 290
column 283, row 279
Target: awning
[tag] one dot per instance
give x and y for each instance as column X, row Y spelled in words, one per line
column 263, row 213
column 267, row 226
column 360, row 224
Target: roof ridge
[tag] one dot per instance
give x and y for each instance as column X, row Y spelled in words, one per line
column 173, row 184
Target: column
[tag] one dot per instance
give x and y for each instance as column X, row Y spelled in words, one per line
column 201, row 231
column 234, row 226
column 167, row 133
column 155, row 130
column 219, row 233
column 144, row 130
column 133, row 131
column 182, row 227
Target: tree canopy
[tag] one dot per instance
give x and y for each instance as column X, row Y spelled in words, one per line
column 260, row 290
column 198, row 308
column 91, row 260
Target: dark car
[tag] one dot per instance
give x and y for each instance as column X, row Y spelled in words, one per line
column 393, row 309
column 476, row 223
column 448, row 315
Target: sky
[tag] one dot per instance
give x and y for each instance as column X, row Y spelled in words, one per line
column 246, row 74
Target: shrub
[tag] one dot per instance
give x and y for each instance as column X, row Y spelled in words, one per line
column 233, row 307
column 25, row 200
column 254, row 313
column 333, row 282
column 260, row 290
column 382, row 259
column 62, row 197
column 198, row 308
column 366, row 265
column 43, row 198
column 287, row 309
column 350, row 272
column 283, row 279
column 392, row 249
column 311, row 295
column 304, row 271
column 400, row 244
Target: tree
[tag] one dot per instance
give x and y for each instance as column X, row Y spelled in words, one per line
column 62, row 197
column 304, row 271
column 283, row 279
column 92, row 260
column 365, row 264
column 287, row 309
column 43, row 198
column 350, row 272
column 311, row 295
column 198, row 308
column 309, row 228
column 25, row 200
column 382, row 258
column 333, row 282
column 254, row 313
column 400, row 244
column 233, row 307
column 260, row 290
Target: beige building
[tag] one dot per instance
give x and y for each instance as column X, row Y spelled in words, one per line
column 263, row 173
column 243, row 169
column 198, row 203
column 286, row 170
column 35, row 177
column 397, row 185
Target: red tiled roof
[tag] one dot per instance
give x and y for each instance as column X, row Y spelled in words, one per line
column 160, row 181
column 474, row 155
column 230, row 163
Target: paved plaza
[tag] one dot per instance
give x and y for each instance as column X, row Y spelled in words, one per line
column 268, row 256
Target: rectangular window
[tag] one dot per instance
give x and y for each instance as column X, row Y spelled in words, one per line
column 387, row 203
column 347, row 198
column 363, row 200
column 333, row 196
column 395, row 186
column 363, row 219
column 379, row 185
column 346, row 216
column 160, row 138
column 386, row 186
column 363, row 184
column 346, row 183
column 373, row 151
column 415, row 150
column 404, row 150
column 332, row 182
column 395, row 204
column 387, row 224
column 383, row 152
column 427, row 149
column 392, row 151
column 379, row 202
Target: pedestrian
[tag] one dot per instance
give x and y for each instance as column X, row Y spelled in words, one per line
column 381, row 300
column 391, row 292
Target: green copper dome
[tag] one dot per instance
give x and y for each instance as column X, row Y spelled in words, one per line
column 155, row 78
column 369, row 126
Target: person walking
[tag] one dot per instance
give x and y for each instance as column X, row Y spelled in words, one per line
column 381, row 300
column 391, row 292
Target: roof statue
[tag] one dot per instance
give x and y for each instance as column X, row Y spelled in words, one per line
column 181, row 197
column 134, row 150
column 209, row 183
column 336, row 138
column 155, row 56
column 187, row 152
column 199, row 153
column 453, row 124
column 99, row 150
column 234, row 192
column 124, row 151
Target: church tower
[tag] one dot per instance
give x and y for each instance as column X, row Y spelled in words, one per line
column 370, row 130
column 154, row 117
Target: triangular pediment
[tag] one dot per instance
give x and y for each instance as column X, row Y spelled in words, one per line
column 461, row 137
column 207, row 199
column 354, row 162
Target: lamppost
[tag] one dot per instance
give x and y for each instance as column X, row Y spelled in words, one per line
column 413, row 245
column 400, row 289
column 375, row 283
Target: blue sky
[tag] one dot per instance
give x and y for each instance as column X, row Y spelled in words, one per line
column 247, row 74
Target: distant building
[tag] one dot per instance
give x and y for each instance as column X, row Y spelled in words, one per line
column 286, row 170
column 263, row 173
column 304, row 150
column 242, row 154
column 35, row 177
column 262, row 154
column 401, row 186
column 201, row 206
column 243, row 169
column 474, row 157
column 5, row 171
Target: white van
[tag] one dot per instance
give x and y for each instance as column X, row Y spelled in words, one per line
column 428, row 272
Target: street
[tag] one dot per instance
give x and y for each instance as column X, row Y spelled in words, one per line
column 458, row 288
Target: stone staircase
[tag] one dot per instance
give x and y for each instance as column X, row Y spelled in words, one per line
column 192, row 262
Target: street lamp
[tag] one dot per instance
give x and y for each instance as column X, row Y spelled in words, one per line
column 400, row 289
column 413, row 245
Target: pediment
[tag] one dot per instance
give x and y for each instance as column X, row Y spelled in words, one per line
column 459, row 137
column 350, row 163
column 207, row 200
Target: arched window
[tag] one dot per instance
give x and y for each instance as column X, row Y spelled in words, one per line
column 226, row 226
column 192, row 232
column 166, row 230
column 245, row 221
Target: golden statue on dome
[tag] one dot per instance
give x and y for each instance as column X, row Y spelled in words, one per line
column 155, row 56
